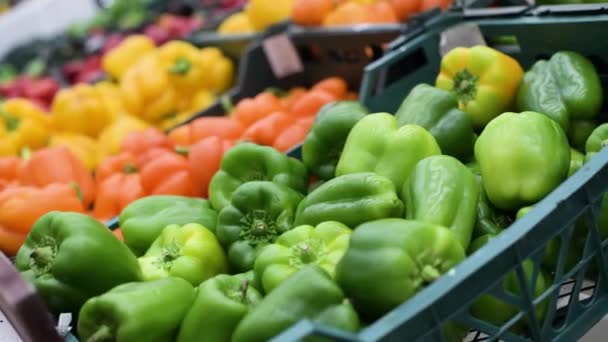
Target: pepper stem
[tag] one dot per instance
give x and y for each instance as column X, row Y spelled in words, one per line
column 243, row 289
column 430, row 273
column 42, row 259
column 103, row 333
column 307, row 254
column 182, row 150
column 465, row 86
column 181, row 67
column 129, row 168
column 12, row 122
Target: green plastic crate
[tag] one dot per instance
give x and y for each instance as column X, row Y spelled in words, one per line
column 415, row 59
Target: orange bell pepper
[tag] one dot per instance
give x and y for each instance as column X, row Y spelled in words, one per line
column 180, row 136
column 293, row 95
column 250, row 110
column 204, row 158
column 167, row 173
column 21, row 207
column 266, row 130
column 222, row 127
column 9, row 166
column 57, row 165
column 333, row 85
column 293, row 135
column 311, row 102
column 115, row 193
column 120, row 163
column 139, row 142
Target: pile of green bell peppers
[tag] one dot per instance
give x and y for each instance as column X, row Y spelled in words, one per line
column 379, row 207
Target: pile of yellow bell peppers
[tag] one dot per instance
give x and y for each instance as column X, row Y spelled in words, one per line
column 257, row 16
column 152, row 86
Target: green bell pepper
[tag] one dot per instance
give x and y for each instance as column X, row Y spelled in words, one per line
column 596, row 141
column 323, row 245
column 565, row 88
column 493, row 310
column 142, row 221
column 489, row 220
column 577, row 160
column 148, row 311
column 351, row 200
column 377, row 144
column 220, row 304
column 189, row 252
column 325, row 140
column 442, row 191
column 71, row 257
column 579, row 131
column 259, row 212
column 522, row 157
column 309, row 293
column 437, row 111
column 390, row 260
column 250, row 162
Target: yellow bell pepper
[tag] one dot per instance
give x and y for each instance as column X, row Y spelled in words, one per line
column 83, row 147
column 147, row 90
column 236, row 23
column 218, row 70
column 184, row 66
column 83, row 109
column 201, row 101
column 112, row 136
column 22, row 124
column 264, row 13
column 118, row 60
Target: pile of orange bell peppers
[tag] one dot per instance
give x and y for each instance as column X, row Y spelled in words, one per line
column 145, row 161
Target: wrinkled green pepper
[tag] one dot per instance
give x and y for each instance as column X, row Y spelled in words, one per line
column 565, row 88
column 309, row 293
column 437, row 111
column 259, row 212
column 250, row 162
column 148, row 311
column 579, row 131
column 596, row 141
column 390, row 260
column 498, row 312
column 323, row 245
column 522, row 157
column 220, row 304
column 142, row 221
column 325, row 140
column 189, row 252
column 442, row 191
column 71, row 257
column 377, row 144
column 350, row 199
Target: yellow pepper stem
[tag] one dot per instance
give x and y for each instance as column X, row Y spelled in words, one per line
column 12, row 122
column 181, row 67
column 465, row 85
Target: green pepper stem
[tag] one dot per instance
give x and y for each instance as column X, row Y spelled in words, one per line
column 465, row 86
column 307, row 254
column 430, row 273
column 129, row 168
column 42, row 259
column 103, row 333
column 181, row 67
column 182, row 150
column 12, row 122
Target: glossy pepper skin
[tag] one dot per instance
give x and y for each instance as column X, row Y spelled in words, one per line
column 407, row 255
column 437, row 111
column 143, row 220
column 117, row 61
column 377, row 144
column 57, row 165
column 323, row 245
column 566, row 87
column 52, row 259
column 442, row 191
column 115, row 133
column 489, row 220
column 183, row 64
column 496, row 311
column 579, row 131
column 22, row 206
column 118, row 315
column 220, row 304
column 189, row 252
column 259, row 212
column 22, row 125
column 596, row 141
column 351, row 200
column 310, row 293
column 536, row 161
column 84, row 109
column 326, row 138
column 250, row 162
column 484, row 80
